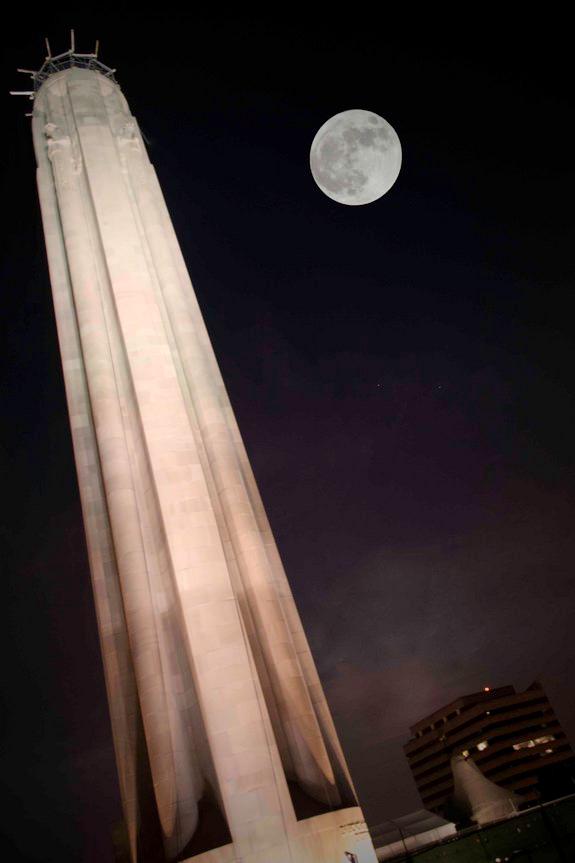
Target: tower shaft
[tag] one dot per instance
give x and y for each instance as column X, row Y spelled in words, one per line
column 219, row 720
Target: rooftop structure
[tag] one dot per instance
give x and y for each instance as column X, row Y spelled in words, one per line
column 409, row 833
column 69, row 59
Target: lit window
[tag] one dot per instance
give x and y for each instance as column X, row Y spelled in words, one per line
column 483, row 744
column 529, row 744
column 465, row 753
column 548, row 751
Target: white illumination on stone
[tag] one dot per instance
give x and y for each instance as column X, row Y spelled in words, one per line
column 207, row 666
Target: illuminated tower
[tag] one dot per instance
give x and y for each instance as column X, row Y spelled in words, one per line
column 225, row 747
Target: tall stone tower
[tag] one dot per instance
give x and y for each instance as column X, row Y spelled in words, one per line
column 225, row 747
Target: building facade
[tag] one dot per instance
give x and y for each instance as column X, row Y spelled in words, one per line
column 514, row 738
column 225, row 747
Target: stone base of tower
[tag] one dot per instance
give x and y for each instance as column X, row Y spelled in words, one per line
column 323, row 839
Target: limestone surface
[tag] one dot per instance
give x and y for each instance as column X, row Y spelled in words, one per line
column 220, row 724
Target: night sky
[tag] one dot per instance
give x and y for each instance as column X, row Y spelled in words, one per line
column 401, row 372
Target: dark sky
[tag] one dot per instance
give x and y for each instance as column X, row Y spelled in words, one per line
column 402, row 373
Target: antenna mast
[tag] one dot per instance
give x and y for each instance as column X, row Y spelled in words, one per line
column 60, row 62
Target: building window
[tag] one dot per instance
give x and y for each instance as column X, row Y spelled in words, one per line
column 529, row 744
column 465, row 753
column 483, row 744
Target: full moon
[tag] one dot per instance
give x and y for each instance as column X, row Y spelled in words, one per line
column 355, row 157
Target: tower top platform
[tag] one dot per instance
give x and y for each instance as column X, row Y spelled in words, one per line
column 69, row 59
